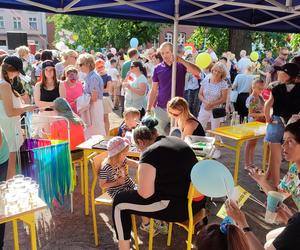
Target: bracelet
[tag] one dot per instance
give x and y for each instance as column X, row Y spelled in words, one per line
column 247, row 229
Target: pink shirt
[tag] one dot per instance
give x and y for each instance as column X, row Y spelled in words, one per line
column 72, row 93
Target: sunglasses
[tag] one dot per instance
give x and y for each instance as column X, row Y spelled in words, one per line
column 175, row 114
column 80, row 64
column 285, row 54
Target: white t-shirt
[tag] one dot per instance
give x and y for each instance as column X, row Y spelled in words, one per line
column 114, row 73
column 211, row 91
column 107, row 65
column 243, row 64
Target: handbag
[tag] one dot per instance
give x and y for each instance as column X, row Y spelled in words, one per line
column 218, row 112
column 233, row 96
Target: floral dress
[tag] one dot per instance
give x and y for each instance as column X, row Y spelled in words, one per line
column 291, row 184
column 255, row 105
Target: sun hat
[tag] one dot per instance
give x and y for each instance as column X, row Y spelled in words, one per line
column 116, row 145
column 48, row 63
column 289, row 68
column 16, row 62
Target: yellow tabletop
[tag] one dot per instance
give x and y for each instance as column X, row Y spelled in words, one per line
column 28, row 218
column 240, row 134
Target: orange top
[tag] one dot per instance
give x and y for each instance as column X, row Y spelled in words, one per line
column 59, row 131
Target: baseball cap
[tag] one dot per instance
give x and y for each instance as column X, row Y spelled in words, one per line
column 291, row 69
column 116, row 145
column 16, row 62
column 99, row 63
column 48, row 63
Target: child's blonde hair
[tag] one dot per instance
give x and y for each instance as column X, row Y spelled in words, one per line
column 131, row 112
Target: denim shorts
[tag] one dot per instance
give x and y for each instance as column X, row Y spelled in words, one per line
column 275, row 130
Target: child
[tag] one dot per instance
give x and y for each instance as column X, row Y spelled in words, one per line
column 114, row 177
column 73, row 87
column 107, row 102
column 131, row 120
column 116, row 83
column 255, row 105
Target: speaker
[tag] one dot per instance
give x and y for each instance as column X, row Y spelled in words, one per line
column 16, row 39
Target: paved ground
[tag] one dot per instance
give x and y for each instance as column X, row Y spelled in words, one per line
column 74, row 231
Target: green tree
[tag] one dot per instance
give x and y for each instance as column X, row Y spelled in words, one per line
column 96, row 32
column 217, row 38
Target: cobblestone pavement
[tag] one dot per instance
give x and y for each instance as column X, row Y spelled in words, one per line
column 75, row 231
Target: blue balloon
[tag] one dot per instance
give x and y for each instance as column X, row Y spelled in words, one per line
column 134, row 42
column 212, row 179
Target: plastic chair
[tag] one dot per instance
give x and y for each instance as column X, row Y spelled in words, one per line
column 188, row 225
column 113, row 131
column 104, row 198
column 77, row 160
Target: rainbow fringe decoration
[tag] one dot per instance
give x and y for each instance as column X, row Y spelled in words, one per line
column 49, row 163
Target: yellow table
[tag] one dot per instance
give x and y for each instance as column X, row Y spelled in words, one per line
column 240, row 134
column 29, row 219
column 88, row 149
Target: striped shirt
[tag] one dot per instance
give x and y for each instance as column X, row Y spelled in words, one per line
column 111, row 174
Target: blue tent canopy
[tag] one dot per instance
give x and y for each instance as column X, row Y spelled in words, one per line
column 264, row 15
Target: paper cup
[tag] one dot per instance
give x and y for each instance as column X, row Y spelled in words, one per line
column 274, row 199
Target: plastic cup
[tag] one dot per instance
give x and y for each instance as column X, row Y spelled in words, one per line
column 274, row 199
column 18, row 177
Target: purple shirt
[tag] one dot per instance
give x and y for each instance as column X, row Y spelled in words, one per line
column 163, row 75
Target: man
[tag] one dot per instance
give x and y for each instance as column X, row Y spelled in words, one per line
column 279, row 61
column 162, row 83
column 243, row 63
column 212, row 54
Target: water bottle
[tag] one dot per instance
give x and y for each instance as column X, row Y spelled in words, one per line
column 232, row 122
column 237, row 120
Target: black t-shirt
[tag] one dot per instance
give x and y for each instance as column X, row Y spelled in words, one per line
column 286, row 103
column 173, row 160
column 289, row 239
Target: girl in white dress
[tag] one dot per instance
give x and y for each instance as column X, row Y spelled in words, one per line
column 11, row 108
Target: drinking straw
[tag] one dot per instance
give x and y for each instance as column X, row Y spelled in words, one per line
column 253, row 198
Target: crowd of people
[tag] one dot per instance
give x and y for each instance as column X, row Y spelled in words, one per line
column 85, row 88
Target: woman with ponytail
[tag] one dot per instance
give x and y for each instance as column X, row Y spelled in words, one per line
column 136, row 91
column 164, row 179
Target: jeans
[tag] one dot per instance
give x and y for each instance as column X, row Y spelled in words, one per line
column 3, row 172
column 191, row 95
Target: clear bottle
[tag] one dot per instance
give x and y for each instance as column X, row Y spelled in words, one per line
column 237, row 120
column 232, row 122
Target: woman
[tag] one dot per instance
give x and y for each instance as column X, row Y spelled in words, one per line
column 290, row 184
column 4, row 155
column 49, row 88
column 157, row 196
column 212, row 94
column 285, row 101
column 11, row 108
column 242, row 84
column 73, row 87
column 69, row 57
column 178, row 109
column 93, row 85
column 59, row 129
column 136, row 91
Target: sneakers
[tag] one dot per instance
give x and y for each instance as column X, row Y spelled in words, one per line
column 216, row 154
column 159, row 227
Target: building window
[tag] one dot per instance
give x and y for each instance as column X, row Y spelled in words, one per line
column 168, row 37
column 181, row 38
column 2, row 42
column 1, row 22
column 32, row 23
column 17, row 23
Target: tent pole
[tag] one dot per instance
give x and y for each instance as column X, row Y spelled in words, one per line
column 175, row 38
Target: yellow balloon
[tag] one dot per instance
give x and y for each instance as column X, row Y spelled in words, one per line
column 203, row 60
column 75, row 37
column 254, row 56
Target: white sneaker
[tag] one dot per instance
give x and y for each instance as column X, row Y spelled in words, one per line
column 216, row 154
